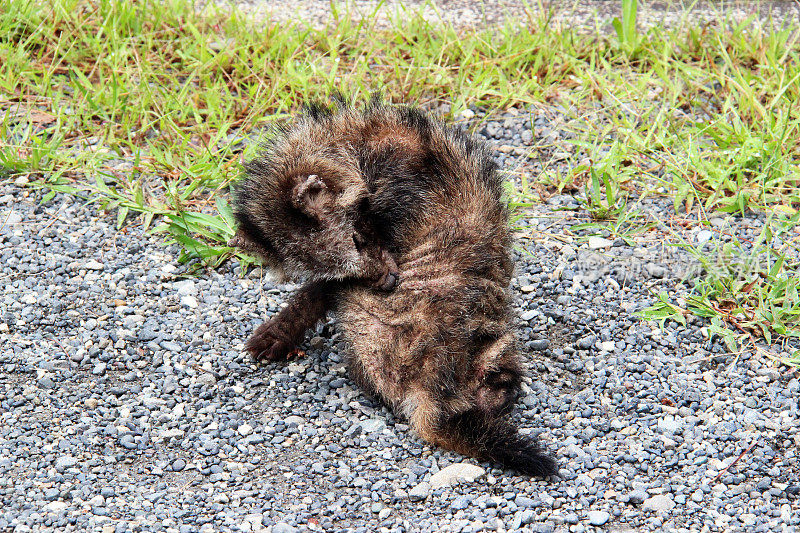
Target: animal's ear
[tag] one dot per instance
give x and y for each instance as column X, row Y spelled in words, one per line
column 306, row 196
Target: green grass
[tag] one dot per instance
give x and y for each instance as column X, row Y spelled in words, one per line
column 144, row 107
column 748, row 290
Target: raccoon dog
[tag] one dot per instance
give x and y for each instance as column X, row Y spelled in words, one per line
column 396, row 223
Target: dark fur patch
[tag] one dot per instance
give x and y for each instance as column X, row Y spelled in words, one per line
column 497, row 440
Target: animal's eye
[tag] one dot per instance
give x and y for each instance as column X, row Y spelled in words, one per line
column 359, row 241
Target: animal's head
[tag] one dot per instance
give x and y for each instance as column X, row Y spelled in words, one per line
column 309, row 218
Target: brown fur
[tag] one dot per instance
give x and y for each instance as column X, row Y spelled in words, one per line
column 438, row 348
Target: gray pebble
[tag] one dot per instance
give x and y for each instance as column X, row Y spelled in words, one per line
column 420, row 491
column 598, row 518
column 539, row 345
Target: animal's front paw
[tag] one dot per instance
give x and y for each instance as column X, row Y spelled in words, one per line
column 270, row 343
column 387, row 282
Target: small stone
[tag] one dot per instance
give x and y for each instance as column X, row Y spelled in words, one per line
column 636, row 497
column 372, row 425
column 455, row 473
column 786, row 512
column 54, row 507
column 117, row 391
column 99, row 369
column 245, row 429
column 221, row 44
column 45, row 382
column 316, row 342
column 460, row 503
column 133, row 321
column 607, row 346
column 296, row 368
column 64, row 462
column 207, row 379
column 153, row 403
column 420, row 492
column 524, row 501
column 527, row 288
column 586, row 343
column 529, row 517
column 93, row 265
column 528, row 315
column 21, row 181
column 597, row 243
column 670, row 424
column 283, row 527
column 659, row 502
column 189, row 301
column 703, row 236
column 467, row 114
column 256, row 520
column 294, row 420
column 178, row 465
column 539, row 345
column 656, row 271
column 127, row 441
column 9, row 218
column 171, row 346
column 598, row 518
column 185, row 287
column 748, row 519
column 669, row 444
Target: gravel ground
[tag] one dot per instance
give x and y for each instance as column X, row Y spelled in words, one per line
column 127, row 404
column 582, row 13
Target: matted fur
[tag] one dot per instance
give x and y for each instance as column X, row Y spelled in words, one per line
column 397, row 193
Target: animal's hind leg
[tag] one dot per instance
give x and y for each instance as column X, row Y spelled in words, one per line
column 277, row 337
column 499, row 390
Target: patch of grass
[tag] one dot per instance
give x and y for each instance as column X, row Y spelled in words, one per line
column 709, row 112
column 145, row 108
column 625, row 26
column 748, row 291
column 604, row 195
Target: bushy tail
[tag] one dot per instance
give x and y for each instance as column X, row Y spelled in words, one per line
column 494, row 439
